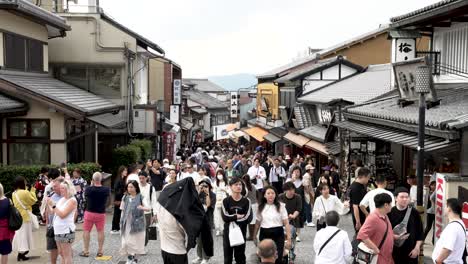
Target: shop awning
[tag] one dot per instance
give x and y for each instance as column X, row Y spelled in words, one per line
column 108, row 120
column 256, row 133
column 271, row 138
column 297, row 140
column 199, row 110
column 316, row 132
column 333, row 148
column 317, row 146
column 186, row 124
column 398, row 136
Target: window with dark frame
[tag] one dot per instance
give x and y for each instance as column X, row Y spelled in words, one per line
column 28, row 141
column 23, row 54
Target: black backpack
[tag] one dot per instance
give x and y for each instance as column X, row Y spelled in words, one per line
column 15, row 220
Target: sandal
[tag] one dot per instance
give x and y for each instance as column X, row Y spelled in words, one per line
column 84, row 254
column 98, row 255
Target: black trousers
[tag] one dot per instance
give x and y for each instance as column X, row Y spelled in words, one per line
column 429, row 225
column 239, row 251
column 116, row 218
column 169, row 258
column 276, row 234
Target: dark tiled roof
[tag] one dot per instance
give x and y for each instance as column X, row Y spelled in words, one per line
column 204, row 85
column 315, row 132
column 359, row 88
column 424, row 10
column 108, row 120
column 305, row 116
column 10, row 105
column 452, row 113
column 204, row 99
column 61, row 93
column 333, row 148
column 279, row 131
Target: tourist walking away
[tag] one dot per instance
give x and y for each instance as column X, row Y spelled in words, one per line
column 119, row 190
column 80, row 185
column 335, row 178
column 267, row 251
column 326, row 203
column 237, row 212
column 24, row 197
column 277, row 175
column 64, row 220
column 257, row 174
column 55, row 195
column 358, row 190
column 431, row 202
column 293, row 203
column 368, row 200
column 252, row 196
column 132, row 173
column 181, row 219
column 149, row 196
column 6, row 235
column 221, row 189
column 450, row 248
column 207, row 198
column 272, row 221
column 377, row 233
column 407, row 227
column 132, row 222
column 95, row 213
column 331, row 244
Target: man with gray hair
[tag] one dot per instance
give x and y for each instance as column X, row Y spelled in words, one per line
column 95, row 213
column 267, row 251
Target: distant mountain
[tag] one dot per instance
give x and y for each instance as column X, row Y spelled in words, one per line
column 235, row 81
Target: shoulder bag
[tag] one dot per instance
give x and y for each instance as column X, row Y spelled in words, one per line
column 365, row 255
column 322, row 218
column 401, row 228
column 32, row 217
column 15, row 220
column 328, row 240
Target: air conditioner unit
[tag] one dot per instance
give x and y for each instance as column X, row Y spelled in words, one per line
column 144, row 121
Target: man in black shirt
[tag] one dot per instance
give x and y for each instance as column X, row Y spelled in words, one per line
column 408, row 252
column 95, row 213
column 358, row 190
column 236, row 209
column 157, row 176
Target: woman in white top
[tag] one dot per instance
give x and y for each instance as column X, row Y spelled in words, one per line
column 326, row 203
column 271, row 218
column 221, row 189
column 64, row 220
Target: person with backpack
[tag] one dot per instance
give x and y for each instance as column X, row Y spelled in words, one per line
column 6, row 234
column 148, row 192
column 451, row 246
column 406, row 221
column 331, row 244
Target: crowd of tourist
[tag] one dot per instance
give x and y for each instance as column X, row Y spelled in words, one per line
column 229, row 191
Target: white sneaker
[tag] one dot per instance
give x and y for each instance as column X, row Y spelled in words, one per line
column 197, row 261
column 114, row 232
column 311, row 225
column 204, row 261
column 298, row 239
column 218, row 233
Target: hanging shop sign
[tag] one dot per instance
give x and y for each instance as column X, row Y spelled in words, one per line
column 235, row 104
column 405, row 49
column 174, row 115
column 177, row 92
column 169, row 141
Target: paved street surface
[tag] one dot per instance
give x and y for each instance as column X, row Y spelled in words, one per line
column 304, row 249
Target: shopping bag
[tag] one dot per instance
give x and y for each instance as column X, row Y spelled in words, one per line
column 152, row 232
column 235, row 235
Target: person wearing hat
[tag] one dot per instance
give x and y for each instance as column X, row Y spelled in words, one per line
column 409, row 236
column 208, row 199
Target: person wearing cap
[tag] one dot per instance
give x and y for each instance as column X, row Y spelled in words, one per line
column 208, row 199
column 411, row 238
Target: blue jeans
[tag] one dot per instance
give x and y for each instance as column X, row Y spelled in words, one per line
column 307, row 212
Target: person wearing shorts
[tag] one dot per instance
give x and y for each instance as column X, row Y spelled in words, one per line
column 95, row 213
column 54, row 195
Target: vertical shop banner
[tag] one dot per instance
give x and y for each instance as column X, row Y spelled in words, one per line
column 174, row 115
column 177, row 92
column 440, row 204
column 169, row 141
column 234, row 104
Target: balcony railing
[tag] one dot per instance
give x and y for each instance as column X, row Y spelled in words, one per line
column 434, row 57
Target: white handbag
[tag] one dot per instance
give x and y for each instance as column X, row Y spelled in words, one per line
column 236, row 238
column 32, row 217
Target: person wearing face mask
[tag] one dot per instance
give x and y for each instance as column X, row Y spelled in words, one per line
column 221, row 190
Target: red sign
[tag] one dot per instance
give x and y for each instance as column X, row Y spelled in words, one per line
column 465, row 213
column 169, row 139
column 440, row 201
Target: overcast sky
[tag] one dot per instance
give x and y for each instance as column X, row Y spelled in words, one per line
column 222, row 37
